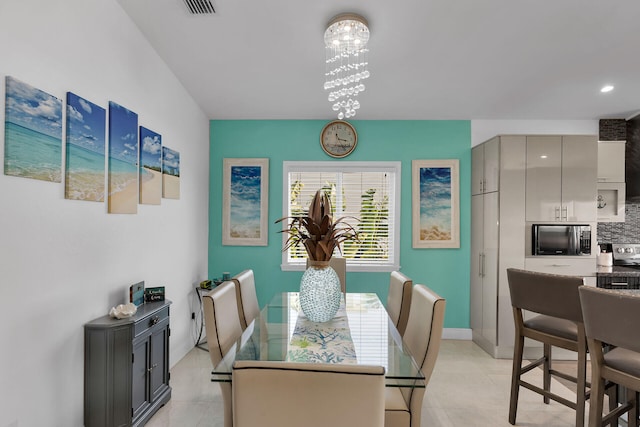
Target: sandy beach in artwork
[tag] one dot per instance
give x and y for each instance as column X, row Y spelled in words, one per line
column 434, row 233
column 151, row 189
column 171, row 187
column 125, row 200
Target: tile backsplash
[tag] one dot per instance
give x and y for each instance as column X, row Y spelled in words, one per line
column 622, row 232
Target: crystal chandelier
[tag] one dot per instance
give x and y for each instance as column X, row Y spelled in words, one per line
column 345, row 42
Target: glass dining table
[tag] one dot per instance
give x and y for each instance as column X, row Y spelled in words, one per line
column 360, row 333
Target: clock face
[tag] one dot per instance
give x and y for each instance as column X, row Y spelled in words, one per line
column 338, row 138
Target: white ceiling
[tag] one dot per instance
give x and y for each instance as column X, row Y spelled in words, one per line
column 429, row 59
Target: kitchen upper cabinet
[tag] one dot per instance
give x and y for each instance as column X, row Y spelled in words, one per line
column 485, row 167
column 611, row 181
column 561, row 180
column 611, row 161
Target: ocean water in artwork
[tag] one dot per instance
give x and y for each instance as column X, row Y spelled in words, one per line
column 33, row 133
column 86, row 125
column 31, row 154
column 435, row 203
column 85, row 174
column 244, row 221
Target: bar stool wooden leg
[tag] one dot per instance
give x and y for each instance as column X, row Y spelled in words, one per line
column 515, row 378
column 581, row 389
column 546, row 379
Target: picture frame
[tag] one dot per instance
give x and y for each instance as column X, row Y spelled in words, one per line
column 245, row 201
column 436, row 203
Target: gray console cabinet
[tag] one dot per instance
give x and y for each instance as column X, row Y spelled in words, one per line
column 126, row 367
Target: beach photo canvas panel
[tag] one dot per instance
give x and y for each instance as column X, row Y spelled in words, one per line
column 123, row 160
column 435, row 203
column 245, row 202
column 150, row 167
column 32, row 132
column 170, row 173
column 85, row 150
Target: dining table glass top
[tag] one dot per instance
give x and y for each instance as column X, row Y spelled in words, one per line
column 360, row 333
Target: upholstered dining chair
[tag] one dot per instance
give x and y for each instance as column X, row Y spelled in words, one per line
column 340, row 266
column 248, row 306
column 222, row 324
column 403, row 406
column 399, row 300
column 612, row 318
column 284, row 394
column 558, row 323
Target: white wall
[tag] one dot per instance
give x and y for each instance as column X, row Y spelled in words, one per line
column 63, row 262
column 482, row 130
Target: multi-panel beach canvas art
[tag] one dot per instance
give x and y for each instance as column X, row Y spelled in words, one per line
column 150, row 167
column 85, row 154
column 140, row 169
column 435, row 204
column 33, row 133
column 123, row 160
column 170, row 173
column 245, row 202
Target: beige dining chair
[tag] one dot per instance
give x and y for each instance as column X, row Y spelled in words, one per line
column 340, row 266
column 399, row 300
column 611, row 318
column 222, row 324
column 284, row 394
column 403, row 406
column 248, row 306
column 558, row 323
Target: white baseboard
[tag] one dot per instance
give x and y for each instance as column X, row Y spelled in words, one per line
column 456, row 334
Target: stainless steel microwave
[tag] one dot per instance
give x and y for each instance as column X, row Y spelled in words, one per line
column 560, row 239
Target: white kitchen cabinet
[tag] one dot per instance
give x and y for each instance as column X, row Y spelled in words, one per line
column 611, row 161
column 485, row 166
column 610, row 201
column 497, row 243
column 561, row 178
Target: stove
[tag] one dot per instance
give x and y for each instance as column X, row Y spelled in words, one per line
column 625, row 273
column 626, row 254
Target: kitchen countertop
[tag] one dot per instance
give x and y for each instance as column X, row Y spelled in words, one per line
column 617, row 271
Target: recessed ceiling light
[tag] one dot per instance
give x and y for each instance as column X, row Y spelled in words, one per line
column 606, row 88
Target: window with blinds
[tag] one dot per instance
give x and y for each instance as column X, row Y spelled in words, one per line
column 365, row 194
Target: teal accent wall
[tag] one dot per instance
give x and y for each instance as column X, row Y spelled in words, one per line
column 446, row 271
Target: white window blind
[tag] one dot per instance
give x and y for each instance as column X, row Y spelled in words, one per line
column 366, row 194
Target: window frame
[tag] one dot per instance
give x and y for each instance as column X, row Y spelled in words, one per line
column 394, row 167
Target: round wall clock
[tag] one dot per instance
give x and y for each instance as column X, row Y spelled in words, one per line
column 338, row 138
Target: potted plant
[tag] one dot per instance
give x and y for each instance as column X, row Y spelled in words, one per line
column 320, row 290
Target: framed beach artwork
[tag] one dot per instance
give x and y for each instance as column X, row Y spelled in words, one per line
column 85, row 154
column 33, row 132
column 150, row 167
column 170, row 173
column 436, row 203
column 123, row 160
column 245, row 202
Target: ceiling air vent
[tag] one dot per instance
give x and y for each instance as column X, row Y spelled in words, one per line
column 198, row 7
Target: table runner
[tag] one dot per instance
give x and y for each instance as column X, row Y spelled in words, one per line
column 327, row 342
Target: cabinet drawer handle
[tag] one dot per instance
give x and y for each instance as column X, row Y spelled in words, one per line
column 155, row 365
column 154, row 320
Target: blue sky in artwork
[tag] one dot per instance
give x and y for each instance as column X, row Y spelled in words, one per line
column 150, row 148
column 245, row 192
column 86, row 124
column 32, row 108
column 123, row 133
column 435, row 195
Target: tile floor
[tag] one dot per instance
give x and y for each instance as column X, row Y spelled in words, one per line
column 467, row 388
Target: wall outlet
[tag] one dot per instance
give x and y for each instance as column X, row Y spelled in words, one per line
column 193, row 316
